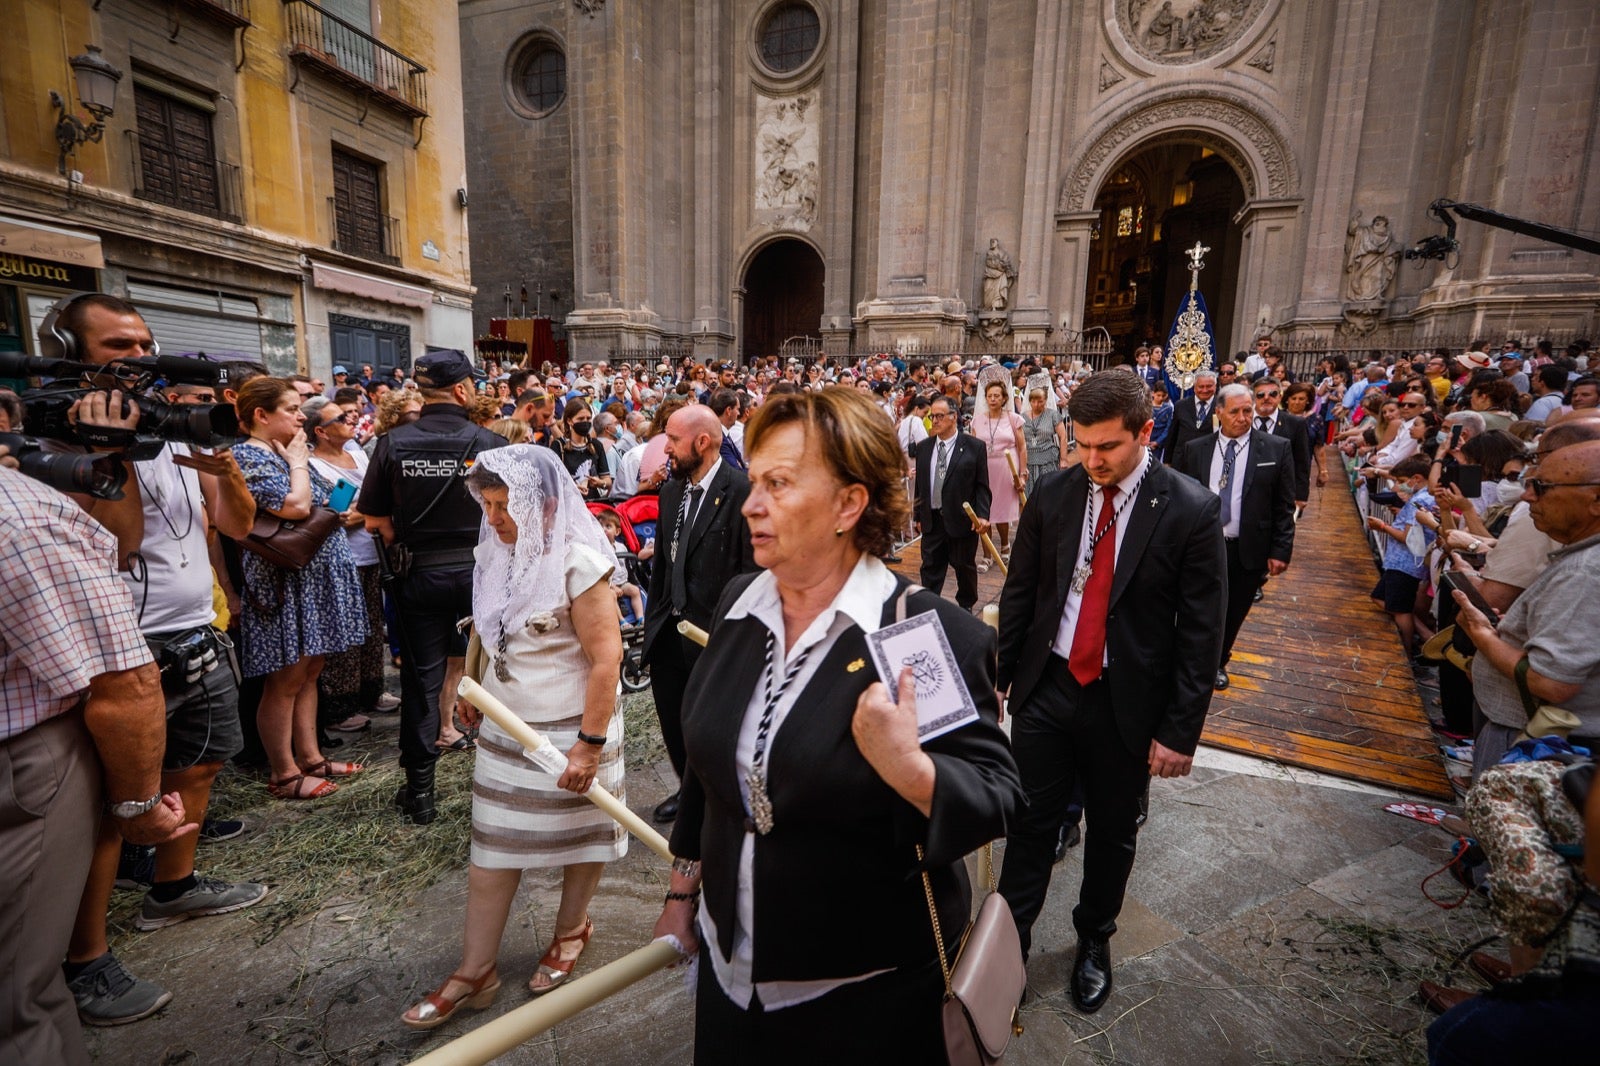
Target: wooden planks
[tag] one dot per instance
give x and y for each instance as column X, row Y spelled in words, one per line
column 1319, row 678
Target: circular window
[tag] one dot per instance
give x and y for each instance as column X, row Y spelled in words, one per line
column 539, row 77
column 788, row 37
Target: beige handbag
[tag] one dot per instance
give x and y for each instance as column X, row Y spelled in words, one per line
column 983, row 987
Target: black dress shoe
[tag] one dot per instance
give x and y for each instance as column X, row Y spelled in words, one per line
column 1068, row 839
column 1222, row 680
column 667, row 810
column 416, row 804
column 1091, row 974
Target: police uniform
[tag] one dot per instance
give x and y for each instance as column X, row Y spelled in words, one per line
column 418, row 480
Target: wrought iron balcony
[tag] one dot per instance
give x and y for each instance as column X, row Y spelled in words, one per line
column 375, row 237
column 355, row 58
column 206, row 187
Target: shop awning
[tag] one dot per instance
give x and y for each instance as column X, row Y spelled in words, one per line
column 354, row 284
column 39, row 241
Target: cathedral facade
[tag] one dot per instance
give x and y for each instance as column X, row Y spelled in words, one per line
column 743, row 177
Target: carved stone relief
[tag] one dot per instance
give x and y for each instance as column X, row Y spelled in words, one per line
column 1184, row 31
column 786, row 185
column 1109, row 75
column 1184, row 111
column 1265, row 56
column 589, row 7
column 1371, row 258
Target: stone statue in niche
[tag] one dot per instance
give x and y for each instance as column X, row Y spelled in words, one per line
column 1370, row 258
column 999, row 273
column 786, row 148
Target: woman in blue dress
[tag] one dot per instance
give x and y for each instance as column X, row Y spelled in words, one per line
column 291, row 619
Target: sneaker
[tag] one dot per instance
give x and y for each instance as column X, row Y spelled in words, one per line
column 136, row 867
column 107, row 994
column 208, row 896
column 387, row 703
column 215, row 829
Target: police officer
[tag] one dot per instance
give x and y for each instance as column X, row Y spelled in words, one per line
column 415, row 497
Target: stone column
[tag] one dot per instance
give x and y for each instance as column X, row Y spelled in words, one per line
column 916, row 297
column 1071, row 274
column 715, row 320
column 1031, row 317
column 1270, row 232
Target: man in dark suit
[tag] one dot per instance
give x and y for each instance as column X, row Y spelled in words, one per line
column 702, row 542
column 1110, row 628
column 1292, row 428
column 1252, row 473
column 1191, row 416
column 952, row 469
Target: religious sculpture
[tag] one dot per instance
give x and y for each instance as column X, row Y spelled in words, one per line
column 1370, row 259
column 998, row 276
column 1184, row 31
column 786, row 144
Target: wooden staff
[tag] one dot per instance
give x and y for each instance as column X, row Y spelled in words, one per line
column 988, row 545
column 693, row 632
column 1011, row 461
column 548, row 757
column 518, row 1026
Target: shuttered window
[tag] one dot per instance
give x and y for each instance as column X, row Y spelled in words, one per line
column 358, row 207
column 177, row 155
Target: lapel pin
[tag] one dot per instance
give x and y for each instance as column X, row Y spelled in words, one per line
column 717, row 502
column 858, row 664
column 1155, row 501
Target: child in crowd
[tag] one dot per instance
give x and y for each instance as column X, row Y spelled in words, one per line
column 628, row 590
column 1403, row 568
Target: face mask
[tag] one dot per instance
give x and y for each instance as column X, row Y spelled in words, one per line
column 1509, row 492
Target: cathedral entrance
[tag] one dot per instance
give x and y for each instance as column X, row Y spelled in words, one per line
column 1153, row 207
column 782, row 298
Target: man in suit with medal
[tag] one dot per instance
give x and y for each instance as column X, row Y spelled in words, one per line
column 1110, row 631
column 1191, row 416
column 703, row 542
column 1252, row 473
column 1271, row 418
column 952, row 469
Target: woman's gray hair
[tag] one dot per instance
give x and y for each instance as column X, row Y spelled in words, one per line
column 312, row 408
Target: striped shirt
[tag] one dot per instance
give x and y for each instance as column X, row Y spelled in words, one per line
column 66, row 616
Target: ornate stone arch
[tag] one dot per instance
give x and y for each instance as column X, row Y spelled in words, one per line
column 1253, row 145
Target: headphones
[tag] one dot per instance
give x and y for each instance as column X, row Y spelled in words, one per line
column 57, row 341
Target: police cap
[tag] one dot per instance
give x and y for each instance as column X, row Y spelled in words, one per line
column 442, row 367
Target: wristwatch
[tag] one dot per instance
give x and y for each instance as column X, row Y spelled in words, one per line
column 133, row 808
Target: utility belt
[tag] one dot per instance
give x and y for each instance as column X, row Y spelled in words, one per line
column 187, row 656
column 404, row 562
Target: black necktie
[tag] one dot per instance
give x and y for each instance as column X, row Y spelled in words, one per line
column 680, row 548
column 1261, row 424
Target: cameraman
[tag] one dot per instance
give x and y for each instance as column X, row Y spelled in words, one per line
column 79, row 697
column 163, row 526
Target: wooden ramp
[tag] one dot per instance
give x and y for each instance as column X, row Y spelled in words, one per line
column 1319, row 678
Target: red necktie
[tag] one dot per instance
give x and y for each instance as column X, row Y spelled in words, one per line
column 1089, row 637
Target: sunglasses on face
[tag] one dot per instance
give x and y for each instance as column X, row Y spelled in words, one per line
column 1404, row 405
column 1267, row 395
column 1541, row 486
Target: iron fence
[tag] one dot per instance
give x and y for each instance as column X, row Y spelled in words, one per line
column 355, row 57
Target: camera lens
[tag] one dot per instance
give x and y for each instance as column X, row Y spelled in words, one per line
column 100, row 476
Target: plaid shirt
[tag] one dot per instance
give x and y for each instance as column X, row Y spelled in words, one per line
column 66, row 616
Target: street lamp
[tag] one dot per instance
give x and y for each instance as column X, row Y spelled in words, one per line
column 97, row 90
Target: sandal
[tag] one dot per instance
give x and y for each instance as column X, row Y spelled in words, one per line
column 461, row 743
column 289, row 788
column 326, row 768
column 556, row 969
column 436, row 1009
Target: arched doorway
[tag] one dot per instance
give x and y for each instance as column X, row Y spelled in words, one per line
column 1152, row 207
column 782, row 297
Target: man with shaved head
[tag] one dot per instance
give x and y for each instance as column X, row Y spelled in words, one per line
column 702, row 543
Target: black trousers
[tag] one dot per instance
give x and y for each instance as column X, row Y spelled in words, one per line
column 427, row 608
column 1064, row 739
column 672, row 657
column 940, row 551
column 1242, row 585
column 891, row 1018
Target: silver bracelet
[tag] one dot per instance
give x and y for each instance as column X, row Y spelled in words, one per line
column 686, row 867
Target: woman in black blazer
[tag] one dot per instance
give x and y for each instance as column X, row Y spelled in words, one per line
column 815, row 941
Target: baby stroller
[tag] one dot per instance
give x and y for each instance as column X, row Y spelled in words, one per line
column 635, row 672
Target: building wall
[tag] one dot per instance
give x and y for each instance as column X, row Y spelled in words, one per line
column 941, row 124
column 276, row 121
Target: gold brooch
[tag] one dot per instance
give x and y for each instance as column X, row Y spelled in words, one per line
column 858, row 664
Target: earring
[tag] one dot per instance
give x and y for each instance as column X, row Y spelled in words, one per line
column 838, row 532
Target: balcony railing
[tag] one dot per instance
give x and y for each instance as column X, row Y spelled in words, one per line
column 375, row 237
column 206, row 187
column 355, row 58
column 228, row 12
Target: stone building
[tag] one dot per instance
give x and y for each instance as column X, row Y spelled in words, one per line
column 733, row 174
column 275, row 178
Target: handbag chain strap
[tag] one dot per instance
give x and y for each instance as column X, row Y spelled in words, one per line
column 938, row 934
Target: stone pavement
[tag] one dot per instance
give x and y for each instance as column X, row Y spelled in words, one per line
column 1273, row 916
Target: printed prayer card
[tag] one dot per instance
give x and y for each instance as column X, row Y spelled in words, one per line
column 943, row 702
